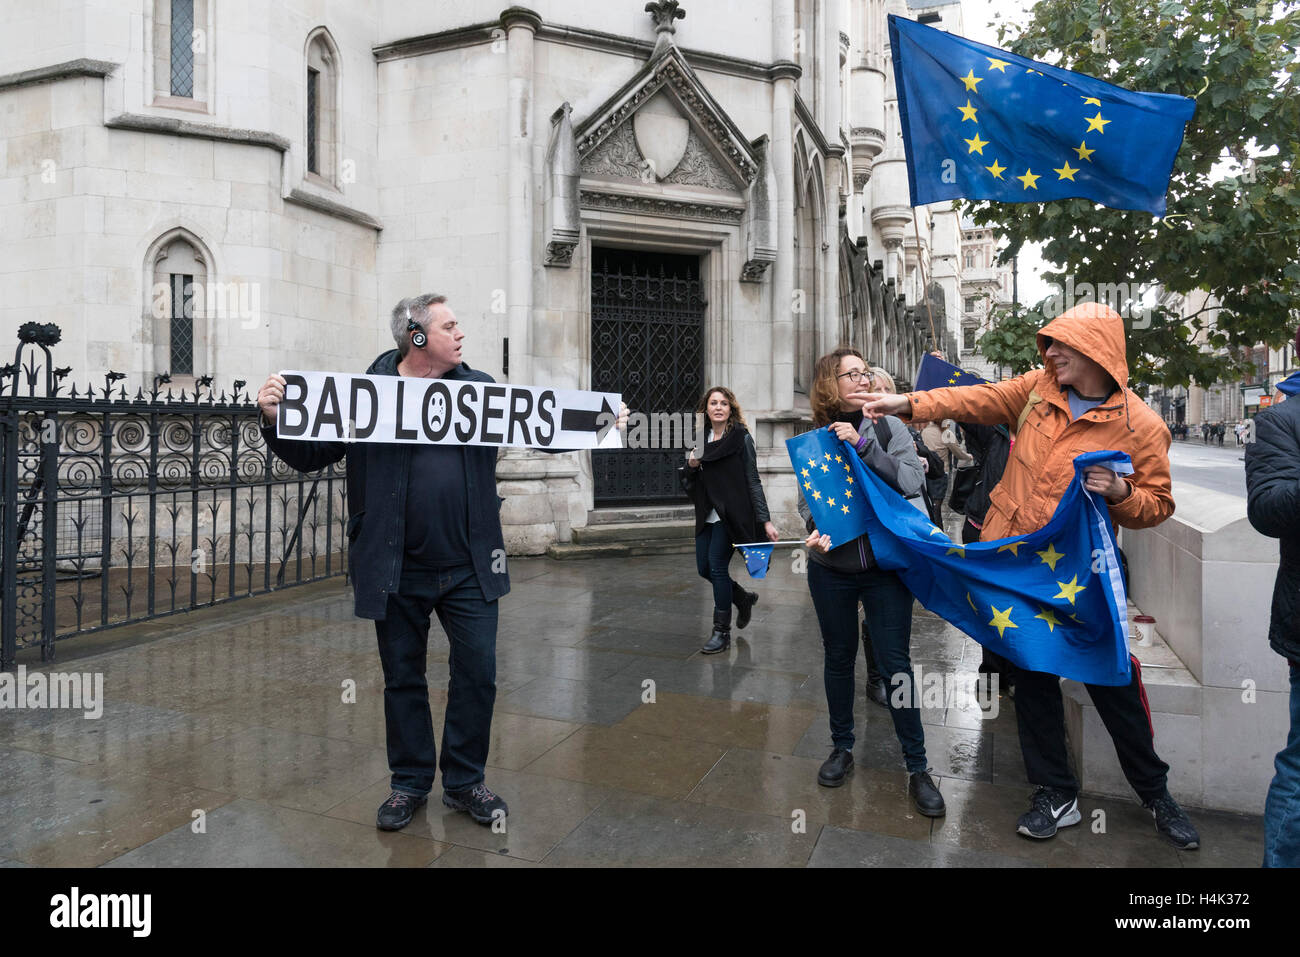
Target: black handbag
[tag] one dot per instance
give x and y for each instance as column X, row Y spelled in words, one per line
column 963, row 483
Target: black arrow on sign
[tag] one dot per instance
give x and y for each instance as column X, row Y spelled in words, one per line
column 589, row 420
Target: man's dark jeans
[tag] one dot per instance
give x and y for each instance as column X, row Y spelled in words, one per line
column 887, row 605
column 471, row 627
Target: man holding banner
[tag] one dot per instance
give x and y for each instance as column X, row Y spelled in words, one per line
column 424, row 529
column 1079, row 402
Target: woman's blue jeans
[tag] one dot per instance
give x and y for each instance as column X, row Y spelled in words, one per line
column 1282, row 806
column 887, row 605
column 713, row 551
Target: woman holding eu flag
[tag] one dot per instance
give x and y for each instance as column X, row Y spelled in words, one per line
column 843, row 574
column 721, row 478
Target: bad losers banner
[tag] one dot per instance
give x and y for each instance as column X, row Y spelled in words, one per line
column 337, row 407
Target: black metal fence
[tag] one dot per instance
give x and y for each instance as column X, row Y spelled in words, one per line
column 116, row 509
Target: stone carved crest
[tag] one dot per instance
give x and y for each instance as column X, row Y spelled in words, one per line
column 620, row 157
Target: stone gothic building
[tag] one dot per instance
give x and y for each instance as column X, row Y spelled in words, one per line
column 626, row 196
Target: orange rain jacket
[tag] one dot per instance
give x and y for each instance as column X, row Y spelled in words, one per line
column 1034, row 406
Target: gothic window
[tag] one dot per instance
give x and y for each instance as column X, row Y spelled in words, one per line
column 179, row 272
column 968, row 336
column 321, row 107
column 180, row 49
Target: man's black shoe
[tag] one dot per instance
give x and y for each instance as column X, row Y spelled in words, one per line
column 926, row 797
column 1049, row 809
column 395, row 813
column 835, row 768
column 482, row 805
column 1173, row 824
column 744, row 602
column 878, row 692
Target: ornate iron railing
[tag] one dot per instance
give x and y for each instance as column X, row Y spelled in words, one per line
column 116, row 509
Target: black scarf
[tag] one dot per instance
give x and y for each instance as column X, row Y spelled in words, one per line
column 722, row 485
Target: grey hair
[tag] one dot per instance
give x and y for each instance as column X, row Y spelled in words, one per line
column 417, row 308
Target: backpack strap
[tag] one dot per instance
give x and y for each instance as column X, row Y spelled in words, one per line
column 883, row 435
column 1033, row 400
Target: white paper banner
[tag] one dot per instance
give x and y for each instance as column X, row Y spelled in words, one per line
column 339, row 407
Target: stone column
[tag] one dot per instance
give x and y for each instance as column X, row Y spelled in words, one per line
column 520, row 25
column 784, row 74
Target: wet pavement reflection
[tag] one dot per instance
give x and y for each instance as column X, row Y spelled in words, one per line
column 253, row 735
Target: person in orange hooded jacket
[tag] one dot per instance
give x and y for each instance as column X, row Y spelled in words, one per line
column 1078, row 402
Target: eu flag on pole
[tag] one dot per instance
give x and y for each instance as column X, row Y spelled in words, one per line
column 935, row 373
column 757, row 559
column 981, row 123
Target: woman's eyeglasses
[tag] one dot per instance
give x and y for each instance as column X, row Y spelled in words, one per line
column 855, row 376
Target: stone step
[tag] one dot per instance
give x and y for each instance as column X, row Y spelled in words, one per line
column 651, row 514
column 632, row 532
column 620, row 549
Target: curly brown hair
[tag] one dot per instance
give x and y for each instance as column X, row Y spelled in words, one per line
column 736, row 416
column 824, row 396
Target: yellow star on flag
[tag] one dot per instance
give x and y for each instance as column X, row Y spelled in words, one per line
column 956, row 550
column 1011, row 548
column 1070, row 590
column 818, row 496
column 1092, row 101
column 805, row 472
column 968, row 112
column 838, row 459
column 1083, row 151
column 976, row 144
column 996, row 64
column 1002, row 620
column 848, row 494
column 830, row 502
column 807, row 485
column 844, row 509
column 826, row 468
column 1050, row 556
column 828, row 456
column 812, row 463
column 971, row 603
column 1048, row 616
column 849, row 480
column 971, row 80
column 1095, row 123
column 1029, row 179
column 1067, row 172
column 996, row 170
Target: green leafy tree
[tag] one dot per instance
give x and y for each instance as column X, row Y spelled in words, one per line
column 1011, row 342
column 1233, row 223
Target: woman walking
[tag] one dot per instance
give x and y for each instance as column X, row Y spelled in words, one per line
column 844, row 574
column 722, row 480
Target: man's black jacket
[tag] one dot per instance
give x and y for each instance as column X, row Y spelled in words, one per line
column 377, row 489
column 1273, row 506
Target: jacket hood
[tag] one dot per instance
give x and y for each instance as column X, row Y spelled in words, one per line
column 1094, row 329
column 386, row 364
column 1290, row 385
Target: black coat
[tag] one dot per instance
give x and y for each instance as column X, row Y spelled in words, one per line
column 991, row 445
column 1273, row 506
column 731, row 486
column 377, row 486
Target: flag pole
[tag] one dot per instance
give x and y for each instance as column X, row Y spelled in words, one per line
column 796, row 541
column 925, row 284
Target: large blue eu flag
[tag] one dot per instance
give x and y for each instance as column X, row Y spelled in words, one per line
column 982, row 123
column 1052, row 600
column 936, row 373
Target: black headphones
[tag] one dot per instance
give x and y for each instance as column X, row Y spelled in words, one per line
column 419, row 338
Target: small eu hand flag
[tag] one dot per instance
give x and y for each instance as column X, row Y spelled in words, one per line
column 757, row 559
column 982, row 123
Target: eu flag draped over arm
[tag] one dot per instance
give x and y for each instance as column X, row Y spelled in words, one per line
column 1052, row 600
column 982, row 123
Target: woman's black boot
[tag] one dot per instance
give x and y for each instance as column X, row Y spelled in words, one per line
column 744, row 602
column 720, row 640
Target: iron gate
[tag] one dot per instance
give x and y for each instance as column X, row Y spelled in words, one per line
column 116, row 509
column 647, row 342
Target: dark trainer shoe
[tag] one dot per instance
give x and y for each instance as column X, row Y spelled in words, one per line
column 482, row 805
column 1049, row 809
column 395, row 813
column 1173, row 824
column 926, row 797
column 835, row 768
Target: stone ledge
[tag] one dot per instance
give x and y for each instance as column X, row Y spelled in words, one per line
column 58, row 71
